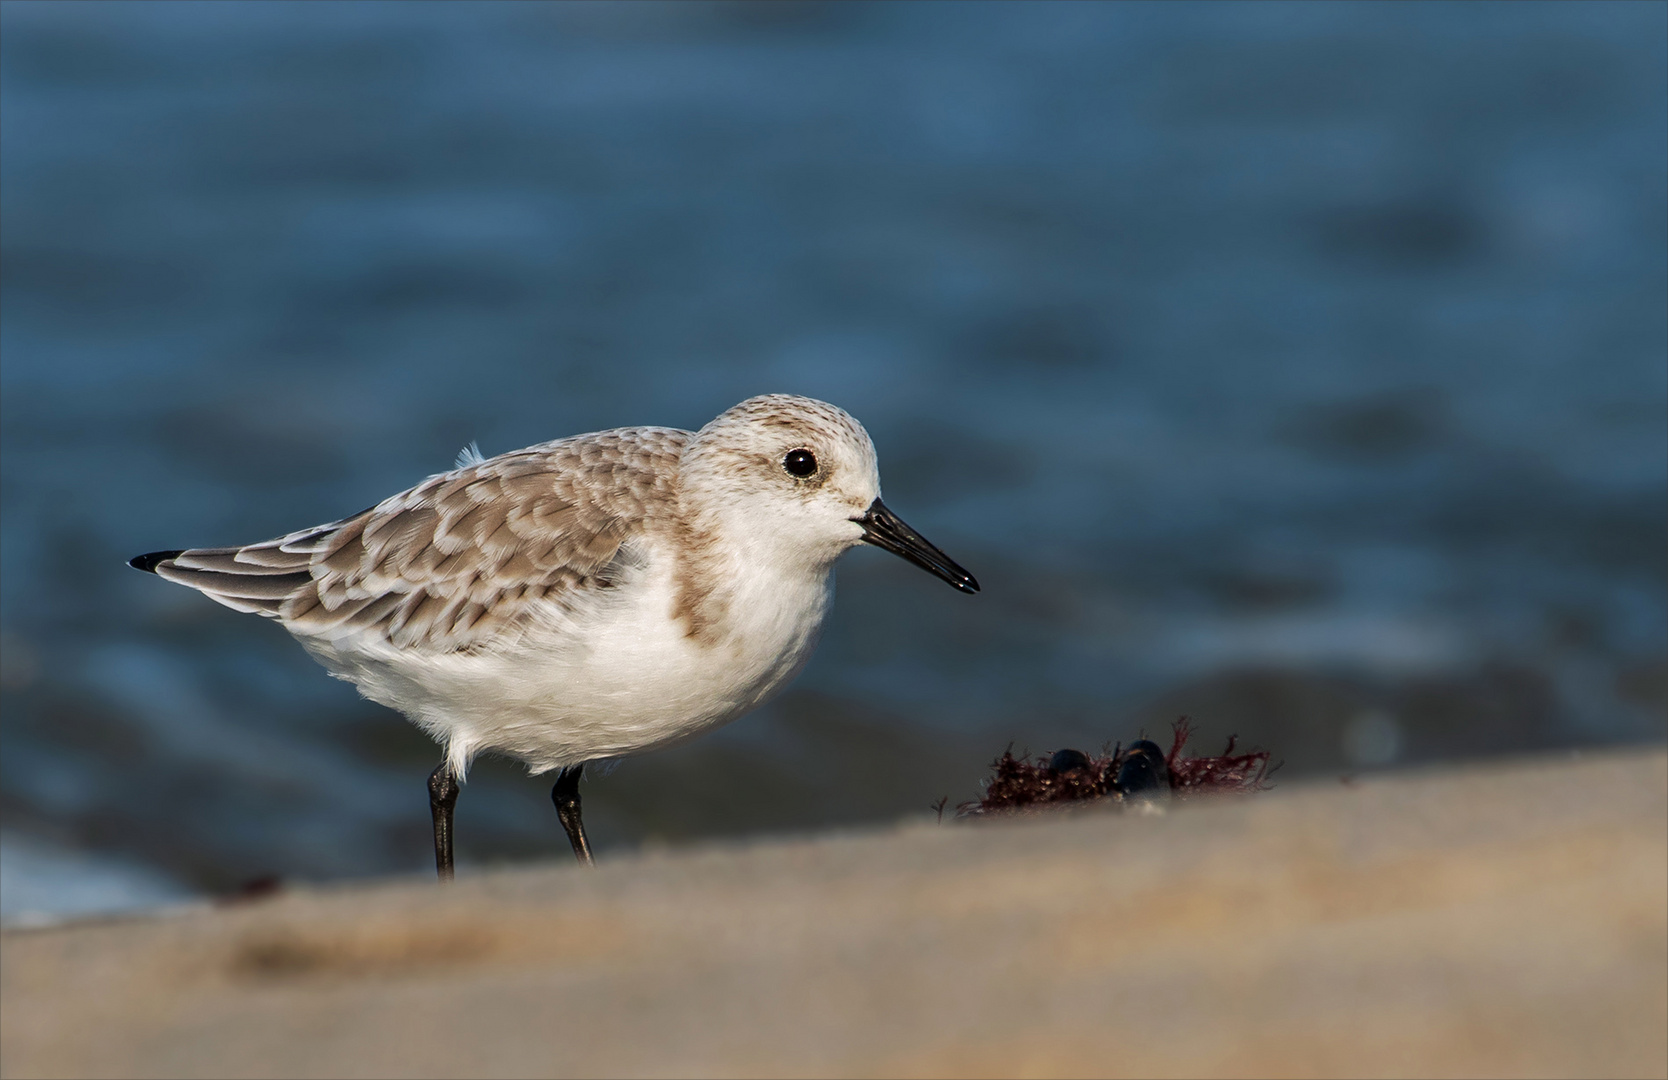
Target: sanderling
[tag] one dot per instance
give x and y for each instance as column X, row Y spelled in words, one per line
column 582, row 599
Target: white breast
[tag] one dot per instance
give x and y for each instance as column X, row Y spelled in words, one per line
column 623, row 678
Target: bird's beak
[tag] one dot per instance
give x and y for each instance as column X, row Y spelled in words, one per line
column 884, row 529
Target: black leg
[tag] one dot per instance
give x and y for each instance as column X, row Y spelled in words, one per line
column 443, row 795
column 566, row 797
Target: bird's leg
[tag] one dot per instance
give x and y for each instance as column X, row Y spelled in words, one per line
column 443, row 795
column 566, row 797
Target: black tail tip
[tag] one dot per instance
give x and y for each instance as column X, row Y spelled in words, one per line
column 147, row 563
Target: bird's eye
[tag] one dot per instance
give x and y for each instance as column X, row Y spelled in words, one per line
column 800, row 462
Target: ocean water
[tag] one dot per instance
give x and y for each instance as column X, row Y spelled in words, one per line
column 1300, row 368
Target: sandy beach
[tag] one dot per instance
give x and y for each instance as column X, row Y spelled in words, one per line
column 1507, row 919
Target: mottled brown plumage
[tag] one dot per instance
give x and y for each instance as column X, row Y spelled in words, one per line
column 458, row 562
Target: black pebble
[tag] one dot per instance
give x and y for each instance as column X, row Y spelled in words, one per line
column 1143, row 773
column 1067, row 760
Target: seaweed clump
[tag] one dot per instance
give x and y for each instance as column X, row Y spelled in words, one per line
column 1142, row 772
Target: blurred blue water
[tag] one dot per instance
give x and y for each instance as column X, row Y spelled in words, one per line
column 1301, row 367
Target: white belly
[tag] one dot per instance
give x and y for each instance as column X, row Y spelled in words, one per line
column 625, row 680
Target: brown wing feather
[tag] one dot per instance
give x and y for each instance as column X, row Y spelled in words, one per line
column 459, row 561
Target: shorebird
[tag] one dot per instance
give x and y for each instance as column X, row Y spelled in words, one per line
column 582, row 599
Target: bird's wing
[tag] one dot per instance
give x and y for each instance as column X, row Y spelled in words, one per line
column 458, row 562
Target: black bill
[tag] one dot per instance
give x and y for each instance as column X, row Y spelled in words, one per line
column 884, row 529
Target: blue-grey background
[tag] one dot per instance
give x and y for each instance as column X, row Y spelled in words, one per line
column 1298, row 367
